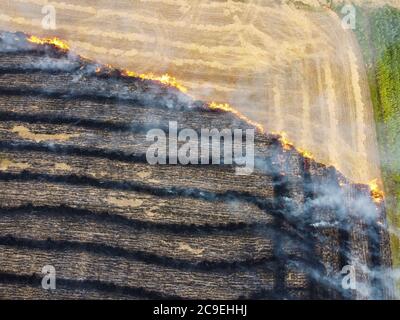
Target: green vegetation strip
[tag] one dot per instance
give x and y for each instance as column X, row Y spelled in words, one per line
column 378, row 33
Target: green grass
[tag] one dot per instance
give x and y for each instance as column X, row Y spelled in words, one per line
column 378, row 33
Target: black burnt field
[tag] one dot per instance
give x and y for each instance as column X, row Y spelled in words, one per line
column 77, row 193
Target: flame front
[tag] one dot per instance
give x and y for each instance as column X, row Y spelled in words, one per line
column 376, row 194
column 282, row 137
column 164, row 79
column 50, row 41
column 228, row 108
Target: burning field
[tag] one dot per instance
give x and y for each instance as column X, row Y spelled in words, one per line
column 77, row 191
column 293, row 70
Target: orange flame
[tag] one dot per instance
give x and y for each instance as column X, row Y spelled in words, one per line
column 376, row 194
column 306, row 154
column 228, row 108
column 283, row 139
column 288, row 145
column 51, row 41
column 164, row 79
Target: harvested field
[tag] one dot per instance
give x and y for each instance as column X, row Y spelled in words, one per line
column 77, row 193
